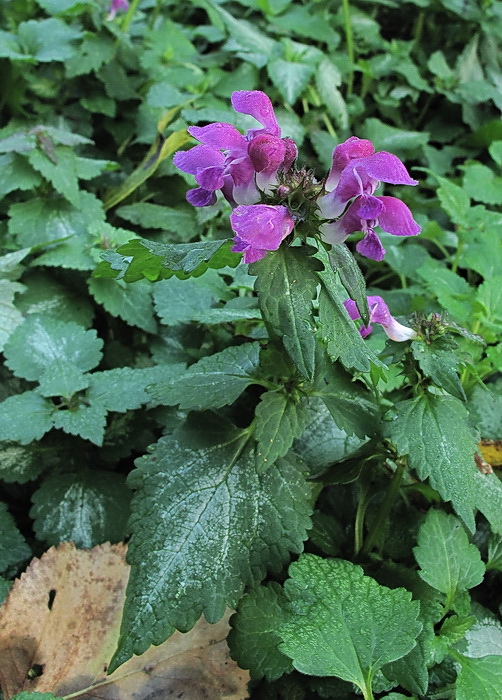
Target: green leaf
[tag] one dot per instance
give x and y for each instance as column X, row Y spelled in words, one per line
column 280, row 418
column 435, row 433
column 94, row 51
column 16, row 174
column 214, row 381
column 25, row 417
column 484, row 638
column 454, row 628
column 289, row 77
column 10, row 316
column 454, row 200
column 124, row 389
column 351, row 277
column 481, row 184
column 44, row 295
column 142, row 258
column 338, row 331
column 60, row 169
column 222, row 525
column 390, row 138
column 323, row 443
column 254, row 638
column 411, row 671
column 479, row 678
column 62, row 378
column 43, row 220
column 87, row 508
column 20, row 463
column 13, row 547
column 488, row 497
column 342, row 623
column 87, row 421
column 286, row 284
column 494, row 552
column 130, row 302
column 182, row 301
column 41, row 341
column 447, row 561
column 439, row 361
column 175, row 219
column 349, row 403
column 47, row 39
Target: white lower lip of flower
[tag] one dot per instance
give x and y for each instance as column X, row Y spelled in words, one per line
column 396, row 331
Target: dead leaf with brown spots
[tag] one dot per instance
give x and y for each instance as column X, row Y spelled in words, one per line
column 61, row 620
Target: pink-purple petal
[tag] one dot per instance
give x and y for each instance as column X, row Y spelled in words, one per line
column 211, row 178
column 200, row 197
column 371, row 246
column 368, row 207
column 258, row 105
column 219, row 135
column 352, row 148
column 386, row 167
column 396, row 218
column 266, row 152
column 196, row 158
column 379, row 311
column 262, row 226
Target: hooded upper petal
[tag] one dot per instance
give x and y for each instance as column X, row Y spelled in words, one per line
column 258, row 105
column 219, row 135
column 379, row 313
column 352, row 148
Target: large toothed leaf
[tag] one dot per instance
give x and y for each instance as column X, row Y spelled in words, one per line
column 343, row 623
column 142, row 258
column 13, row 547
column 479, row 678
column 86, row 508
column 339, row 333
column 434, row 432
column 205, row 524
column 254, row 639
column 211, row 382
column 286, row 285
column 448, row 562
column 279, row 420
column 25, row 417
column 42, row 341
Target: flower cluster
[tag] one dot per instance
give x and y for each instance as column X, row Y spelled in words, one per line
column 256, row 175
column 355, row 174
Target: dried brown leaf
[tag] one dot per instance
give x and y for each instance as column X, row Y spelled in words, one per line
column 62, row 619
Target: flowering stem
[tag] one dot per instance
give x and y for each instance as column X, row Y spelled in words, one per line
column 350, row 43
column 458, row 255
column 386, row 506
column 126, row 22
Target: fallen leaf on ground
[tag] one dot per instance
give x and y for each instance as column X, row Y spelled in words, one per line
column 59, row 628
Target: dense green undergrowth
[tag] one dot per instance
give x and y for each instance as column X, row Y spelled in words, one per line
column 322, row 485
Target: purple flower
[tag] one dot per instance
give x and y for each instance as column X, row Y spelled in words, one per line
column 115, row 6
column 238, row 165
column 364, row 214
column 379, row 313
column 355, row 174
column 259, row 228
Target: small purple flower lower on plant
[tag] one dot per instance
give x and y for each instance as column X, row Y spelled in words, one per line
column 115, row 6
column 379, row 313
column 259, row 228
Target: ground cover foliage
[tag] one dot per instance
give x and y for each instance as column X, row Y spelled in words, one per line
column 234, row 428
